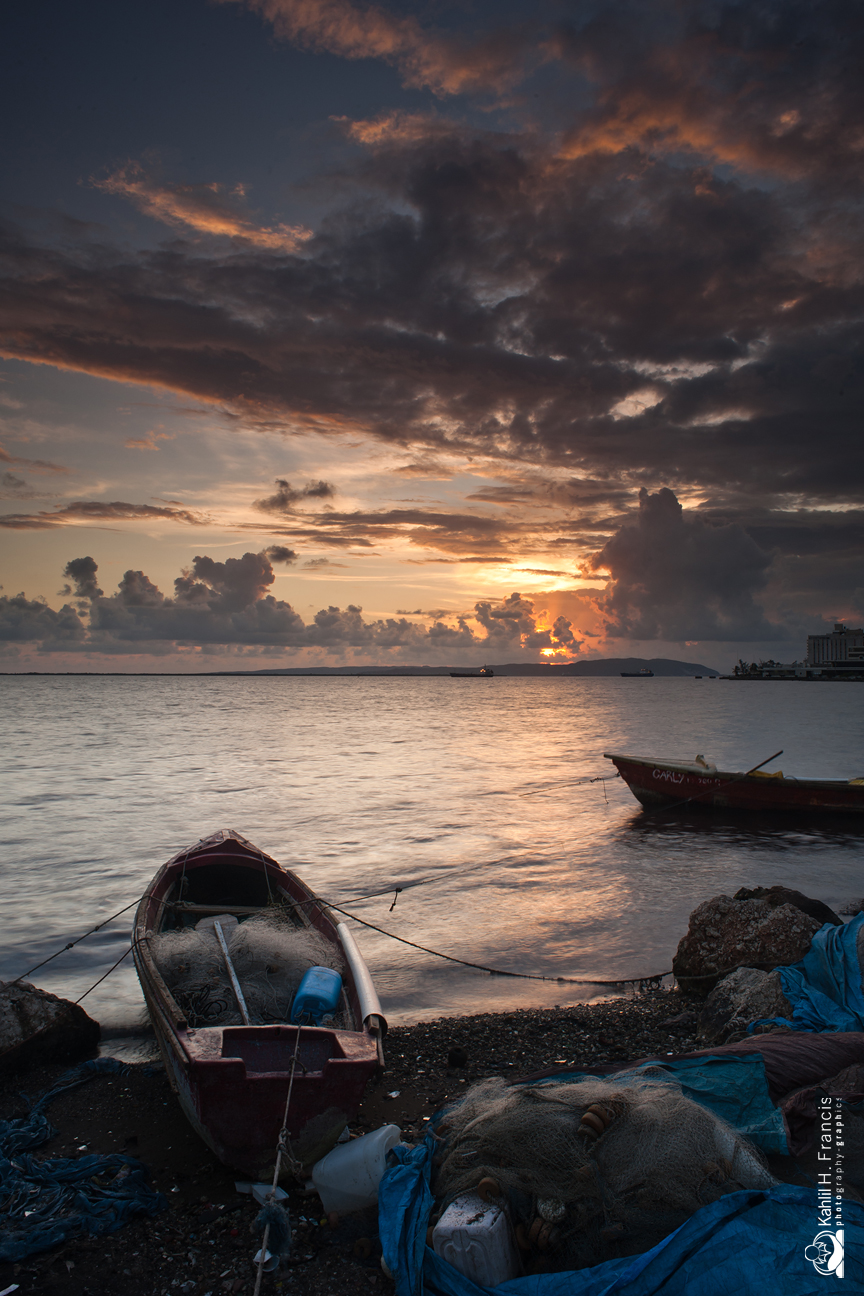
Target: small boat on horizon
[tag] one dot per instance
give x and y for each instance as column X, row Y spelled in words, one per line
column 485, row 672
column 228, row 1042
column 644, row 673
column 699, row 784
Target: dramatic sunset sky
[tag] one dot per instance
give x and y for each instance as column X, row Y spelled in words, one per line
column 337, row 332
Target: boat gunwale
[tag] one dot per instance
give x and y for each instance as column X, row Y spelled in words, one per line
column 372, row 1027
column 689, row 767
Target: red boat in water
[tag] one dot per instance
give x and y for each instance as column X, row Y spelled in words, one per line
column 700, row 785
column 232, row 1080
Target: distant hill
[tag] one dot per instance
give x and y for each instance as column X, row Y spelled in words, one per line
column 595, row 666
column 609, row 666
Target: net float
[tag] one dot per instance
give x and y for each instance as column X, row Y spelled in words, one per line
column 490, row 1191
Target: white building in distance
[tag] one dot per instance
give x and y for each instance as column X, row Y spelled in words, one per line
column 842, row 647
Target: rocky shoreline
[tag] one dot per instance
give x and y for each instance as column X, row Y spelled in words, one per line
column 204, row 1241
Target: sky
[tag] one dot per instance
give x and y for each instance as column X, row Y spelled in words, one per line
column 338, row 333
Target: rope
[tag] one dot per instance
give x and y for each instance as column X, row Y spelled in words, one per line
column 481, row 967
column 108, row 973
column 553, row 787
column 281, row 1146
column 77, row 941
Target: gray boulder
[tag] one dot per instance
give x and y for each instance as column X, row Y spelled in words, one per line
column 780, row 895
column 740, row 998
column 726, row 933
column 36, row 1027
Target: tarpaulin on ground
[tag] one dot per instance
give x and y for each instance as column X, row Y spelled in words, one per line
column 741, row 1245
column 46, row 1202
column 824, row 988
column 795, row 1058
column 732, row 1087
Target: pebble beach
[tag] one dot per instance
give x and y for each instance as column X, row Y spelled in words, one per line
column 203, row 1242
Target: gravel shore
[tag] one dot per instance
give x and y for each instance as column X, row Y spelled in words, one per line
column 204, row 1242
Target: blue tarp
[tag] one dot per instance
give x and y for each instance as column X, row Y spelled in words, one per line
column 733, row 1087
column 742, row 1245
column 46, row 1202
column 825, row 987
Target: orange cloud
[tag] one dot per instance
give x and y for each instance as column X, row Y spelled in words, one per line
column 207, row 208
column 35, row 465
column 444, row 64
column 148, row 442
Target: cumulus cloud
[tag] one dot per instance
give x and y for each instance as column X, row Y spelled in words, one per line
column 96, row 511
column 206, row 208
column 83, row 572
column 675, row 577
column 24, row 620
column 281, row 554
column 224, row 604
column 286, row 496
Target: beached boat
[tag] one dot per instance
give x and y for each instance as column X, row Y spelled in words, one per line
column 485, row 672
column 700, row 785
column 232, row 1080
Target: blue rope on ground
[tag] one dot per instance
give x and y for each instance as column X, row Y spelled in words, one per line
column 47, row 1202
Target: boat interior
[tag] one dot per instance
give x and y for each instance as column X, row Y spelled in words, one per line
column 232, row 947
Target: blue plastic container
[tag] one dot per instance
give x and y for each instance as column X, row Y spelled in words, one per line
column 317, row 996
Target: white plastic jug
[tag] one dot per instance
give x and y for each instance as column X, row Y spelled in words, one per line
column 474, row 1237
column 347, row 1178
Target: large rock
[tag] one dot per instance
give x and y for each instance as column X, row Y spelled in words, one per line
column 780, row 895
column 740, row 998
column 725, row 934
column 37, row 1027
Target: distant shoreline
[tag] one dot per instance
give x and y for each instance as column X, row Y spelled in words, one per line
column 601, row 667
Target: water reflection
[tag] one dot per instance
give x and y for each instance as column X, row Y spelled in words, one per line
column 472, row 802
column 750, row 829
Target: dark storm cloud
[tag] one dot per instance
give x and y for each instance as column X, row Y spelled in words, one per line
column 24, row 620
column 227, row 604
column 287, row 496
column 776, row 85
column 674, row 576
column 608, row 299
column 95, row 511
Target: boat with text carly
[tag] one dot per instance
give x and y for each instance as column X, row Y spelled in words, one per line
column 700, row 784
column 249, row 978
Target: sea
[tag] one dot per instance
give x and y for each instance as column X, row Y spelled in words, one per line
column 454, row 815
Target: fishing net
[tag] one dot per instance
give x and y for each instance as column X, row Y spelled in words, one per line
column 269, row 955
column 590, row 1170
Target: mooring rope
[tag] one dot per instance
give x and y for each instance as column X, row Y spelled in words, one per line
column 283, row 1145
column 77, row 941
column 481, row 967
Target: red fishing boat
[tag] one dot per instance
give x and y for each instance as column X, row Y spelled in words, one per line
column 699, row 784
column 232, row 1081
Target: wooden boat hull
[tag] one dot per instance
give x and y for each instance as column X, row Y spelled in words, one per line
column 679, row 783
column 232, row 1081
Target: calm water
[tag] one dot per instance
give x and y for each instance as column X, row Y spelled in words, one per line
column 362, row 785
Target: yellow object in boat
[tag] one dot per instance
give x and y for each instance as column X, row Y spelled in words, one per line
column 762, row 774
